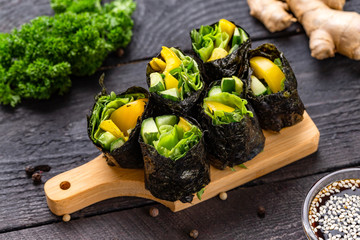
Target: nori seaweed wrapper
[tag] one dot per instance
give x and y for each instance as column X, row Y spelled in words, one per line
column 129, row 154
column 233, row 64
column 176, row 180
column 164, row 106
column 277, row 110
column 231, row 144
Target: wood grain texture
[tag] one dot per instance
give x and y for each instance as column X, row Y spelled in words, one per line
column 17, row 12
column 159, row 23
column 95, row 181
column 54, row 131
column 235, row 218
column 329, row 89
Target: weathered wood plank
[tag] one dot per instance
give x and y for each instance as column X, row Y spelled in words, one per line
column 235, row 218
column 159, row 23
column 329, row 89
column 170, row 23
column 54, row 131
column 17, row 12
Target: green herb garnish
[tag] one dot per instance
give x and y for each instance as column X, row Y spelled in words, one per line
column 240, row 165
column 200, row 193
column 37, row 60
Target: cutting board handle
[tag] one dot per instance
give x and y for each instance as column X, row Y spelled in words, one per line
column 93, row 182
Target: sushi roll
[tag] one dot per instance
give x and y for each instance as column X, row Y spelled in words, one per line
column 174, row 81
column 174, row 157
column 114, row 126
column 272, row 89
column 221, row 48
column 233, row 133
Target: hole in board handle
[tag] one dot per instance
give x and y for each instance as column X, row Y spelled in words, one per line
column 65, row 185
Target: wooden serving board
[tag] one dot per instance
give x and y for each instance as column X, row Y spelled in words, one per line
column 96, row 181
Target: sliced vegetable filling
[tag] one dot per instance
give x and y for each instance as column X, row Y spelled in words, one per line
column 170, row 135
column 114, row 117
column 176, row 76
column 215, row 42
column 268, row 77
column 224, row 104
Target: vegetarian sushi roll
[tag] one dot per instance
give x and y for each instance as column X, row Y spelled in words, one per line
column 114, row 126
column 221, row 48
column 272, row 89
column 233, row 132
column 174, row 81
column 174, row 157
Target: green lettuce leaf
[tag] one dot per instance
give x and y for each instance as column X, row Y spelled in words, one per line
column 231, row 100
column 173, row 142
column 206, row 39
column 187, row 74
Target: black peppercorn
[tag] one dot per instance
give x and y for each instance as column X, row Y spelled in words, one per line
column 29, row 170
column 120, row 52
column 44, row 168
column 194, row 233
column 261, row 212
column 36, row 177
column 154, row 212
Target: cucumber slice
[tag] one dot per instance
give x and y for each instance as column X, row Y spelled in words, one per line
column 106, row 139
column 236, row 46
column 243, row 36
column 166, row 120
column 256, row 86
column 156, row 82
column 239, row 85
column 228, row 85
column 214, row 91
column 149, row 131
column 116, row 144
column 236, row 38
column 172, row 94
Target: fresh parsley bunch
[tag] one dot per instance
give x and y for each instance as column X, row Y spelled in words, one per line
column 37, row 59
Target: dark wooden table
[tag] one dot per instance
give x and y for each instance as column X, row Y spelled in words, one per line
column 54, row 132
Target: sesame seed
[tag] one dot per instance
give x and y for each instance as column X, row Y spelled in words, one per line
column 331, row 212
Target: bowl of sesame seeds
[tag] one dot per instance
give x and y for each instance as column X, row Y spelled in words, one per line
column 331, row 208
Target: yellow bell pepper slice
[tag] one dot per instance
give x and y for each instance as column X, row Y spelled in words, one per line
column 171, row 59
column 170, row 81
column 157, row 64
column 160, row 63
column 109, row 126
column 126, row 116
column 154, row 65
column 265, row 69
column 227, row 26
column 217, row 53
column 213, row 106
column 184, row 124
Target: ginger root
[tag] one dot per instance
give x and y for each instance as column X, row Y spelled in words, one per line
column 329, row 28
column 272, row 13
